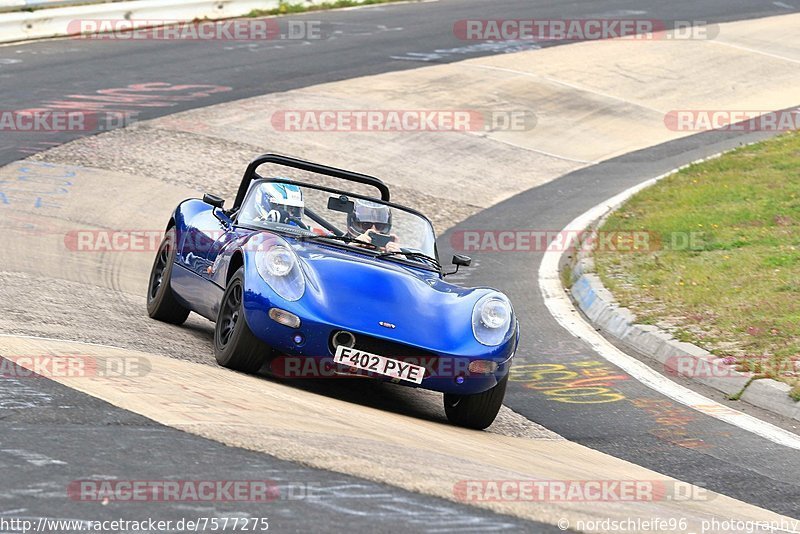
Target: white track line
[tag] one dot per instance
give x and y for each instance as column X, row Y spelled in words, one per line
column 753, row 50
column 537, row 151
column 561, row 307
column 573, row 86
column 59, row 340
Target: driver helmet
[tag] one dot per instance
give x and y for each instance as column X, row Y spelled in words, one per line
column 366, row 215
column 282, row 203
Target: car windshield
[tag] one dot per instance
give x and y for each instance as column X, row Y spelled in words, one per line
column 352, row 221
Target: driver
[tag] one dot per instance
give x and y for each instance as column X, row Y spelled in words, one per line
column 371, row 222
column 280, row 203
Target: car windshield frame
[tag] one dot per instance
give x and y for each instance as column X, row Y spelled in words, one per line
column 301, row 234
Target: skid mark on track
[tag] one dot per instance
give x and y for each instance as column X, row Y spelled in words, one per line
column 16, row 395
column 33, row 458
column 441, row 54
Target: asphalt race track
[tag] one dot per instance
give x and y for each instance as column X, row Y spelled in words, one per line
column 645, row 428
column 44, row 420
column 47, row 74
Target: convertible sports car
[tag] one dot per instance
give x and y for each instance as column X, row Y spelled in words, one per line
column 308, row 281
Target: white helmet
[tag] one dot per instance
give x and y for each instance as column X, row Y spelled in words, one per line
column 278, row 202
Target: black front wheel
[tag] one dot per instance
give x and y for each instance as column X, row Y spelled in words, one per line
column 161, row 301
column 475, row 411
column 235, row 345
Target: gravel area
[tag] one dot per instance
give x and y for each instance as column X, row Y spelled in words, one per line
column 212, row 165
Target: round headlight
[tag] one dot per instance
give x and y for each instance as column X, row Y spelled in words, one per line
column 279, row 261
column 280, row 268
column 492, row 319
column 495, row 313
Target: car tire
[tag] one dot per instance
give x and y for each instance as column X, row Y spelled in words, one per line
column 161, row 302
column 235, row 345
column 475, row 411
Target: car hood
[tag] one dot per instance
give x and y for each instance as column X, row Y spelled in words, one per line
column 358, row 292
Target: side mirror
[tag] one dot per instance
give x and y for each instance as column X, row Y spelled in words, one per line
column 459, row 260
column 213, row 200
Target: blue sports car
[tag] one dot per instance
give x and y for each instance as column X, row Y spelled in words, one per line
column 307, row 280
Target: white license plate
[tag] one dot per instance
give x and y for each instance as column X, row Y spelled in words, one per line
column 379, row 364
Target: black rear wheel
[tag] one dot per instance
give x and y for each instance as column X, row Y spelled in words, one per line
column 476, row 411
column 161, row 301
column 235, row 345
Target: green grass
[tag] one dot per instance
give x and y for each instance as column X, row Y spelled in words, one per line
column 286, row 8
column 734, row 288
column 566, row 276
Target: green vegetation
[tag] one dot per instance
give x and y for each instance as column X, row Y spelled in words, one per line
column 286, row 8
column 722, row 269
